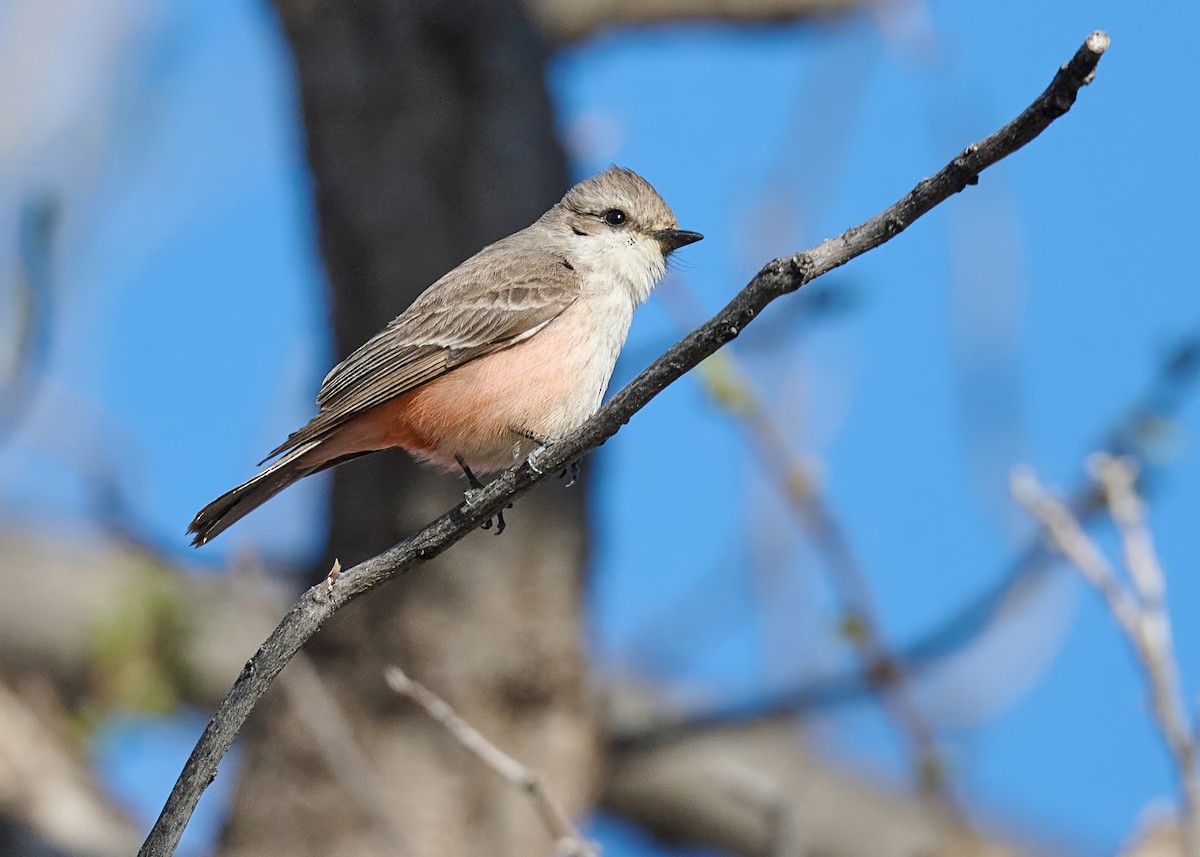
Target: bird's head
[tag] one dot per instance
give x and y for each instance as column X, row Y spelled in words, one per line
column 619, row 229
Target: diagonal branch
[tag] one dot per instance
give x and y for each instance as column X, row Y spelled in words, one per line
column 22, row 371
column 1138, row 608
column 779, row 277
column 568, row 841
column 729, row 388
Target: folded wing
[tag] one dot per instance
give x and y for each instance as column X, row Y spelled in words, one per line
column 492, row 301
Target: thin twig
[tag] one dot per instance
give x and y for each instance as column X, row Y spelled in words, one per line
column 779, row 277
column 729, row 386
column 1068, row 538
column 325, row 721
column 1118, row 476
column 22, row 373
column 1139, row 608
column 569, row 842
column 1170, row 390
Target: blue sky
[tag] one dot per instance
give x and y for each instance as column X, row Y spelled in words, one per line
column 1013, row 324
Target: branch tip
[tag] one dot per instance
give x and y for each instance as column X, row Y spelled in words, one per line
column 1022, row 483
column 1098, row 42
column 398, row 681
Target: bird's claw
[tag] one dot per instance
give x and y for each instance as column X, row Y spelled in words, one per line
column 470, row 495
column 532, row 460
column 573, row 469
column 499, row 519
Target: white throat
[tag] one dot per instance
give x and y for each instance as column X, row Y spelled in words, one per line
column 619, row 260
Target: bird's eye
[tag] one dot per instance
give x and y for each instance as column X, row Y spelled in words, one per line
column 614, row 217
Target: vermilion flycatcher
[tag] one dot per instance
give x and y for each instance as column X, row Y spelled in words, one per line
column 509, row 351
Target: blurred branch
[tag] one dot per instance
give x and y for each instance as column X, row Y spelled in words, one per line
column 19, row 379
column 45, row 625
column 753, row 790
column 1156, row 836
column 568, row 841
column 779, row 277
column 1132, row 436
column 1138, row 607
column 331, row 731
column 49, row 620
column 730, row 387
column 48, row 788
column 565, row 21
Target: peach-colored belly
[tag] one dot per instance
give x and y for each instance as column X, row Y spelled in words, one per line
column 543, row 387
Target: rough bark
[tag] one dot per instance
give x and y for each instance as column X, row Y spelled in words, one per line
column 429, row 134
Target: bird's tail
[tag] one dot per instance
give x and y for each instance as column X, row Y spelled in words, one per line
column 233, row 505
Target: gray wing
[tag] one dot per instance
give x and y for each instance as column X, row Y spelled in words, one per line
column 496, row 298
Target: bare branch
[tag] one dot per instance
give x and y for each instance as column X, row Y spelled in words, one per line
column 1118, row 477
column 728, row 385
column 21, row 372
column 569, row 842
column 754, row 789
column 1068, row 538
column 1130, row 436
column 320, row 713
column 45, row 786
column 1138, row 610
column 49, row 620
column 779, row 277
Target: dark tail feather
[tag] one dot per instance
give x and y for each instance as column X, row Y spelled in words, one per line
column 233, row 505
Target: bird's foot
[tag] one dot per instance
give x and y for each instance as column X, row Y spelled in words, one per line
column 542, row 443
column 472, row 493
column 499, row 519
column 571, row 469
column 534, row 457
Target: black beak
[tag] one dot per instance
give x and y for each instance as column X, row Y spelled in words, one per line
column 672, row 239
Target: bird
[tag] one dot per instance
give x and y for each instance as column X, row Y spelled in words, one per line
column 504, row 354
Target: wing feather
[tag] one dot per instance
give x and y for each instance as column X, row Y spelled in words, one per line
column 493, row 300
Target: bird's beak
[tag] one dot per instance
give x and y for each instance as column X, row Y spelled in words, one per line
column 672, row 239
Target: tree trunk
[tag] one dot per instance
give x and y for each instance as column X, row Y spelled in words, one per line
column 430, row 134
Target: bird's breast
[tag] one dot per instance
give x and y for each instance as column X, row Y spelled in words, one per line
column 544, row 386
